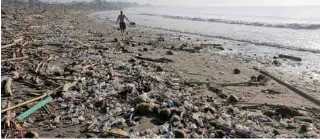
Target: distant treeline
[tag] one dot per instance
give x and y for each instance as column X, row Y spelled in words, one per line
column 95, row 4
column 100, row 4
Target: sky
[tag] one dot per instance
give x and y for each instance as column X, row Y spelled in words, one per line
column 234, row 2
column 218, row 2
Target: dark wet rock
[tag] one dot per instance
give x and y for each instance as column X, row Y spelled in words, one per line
column 217, row 90
column 89, row 73
column 159, row 69
column 232, row 99
column 31, row 135
column 156, row 108
column 219, row 47
column 173, row 48
column 132, row 60
column 90, row 135
column 165, row 114
column 236, row 71
column 144, row 108
column 269, row 113
column 197, row 48
column 287, row 112
column 230, row 111
column 183, row 46
column 57, row 73
column 291, row 126
column 303, row 128
column 179, row 133
column 169, row 53
column 151, row 42
column 253, row 78
column 220, row 134
column 160, row 38
column 276, row 62
column 275, row 132
column 260, row 77
column 190, row 50
column 209, row 109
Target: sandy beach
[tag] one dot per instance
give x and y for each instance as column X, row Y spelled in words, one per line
column 152, row 66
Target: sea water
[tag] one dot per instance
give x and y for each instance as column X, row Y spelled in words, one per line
column 262, row 32
column 291, row 27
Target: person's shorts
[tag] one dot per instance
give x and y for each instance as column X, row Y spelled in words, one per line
column 122, row 25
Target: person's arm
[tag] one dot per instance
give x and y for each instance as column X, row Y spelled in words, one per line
column 118, row 19
column 126, row 18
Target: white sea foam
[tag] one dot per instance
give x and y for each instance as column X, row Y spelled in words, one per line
column 250, row 23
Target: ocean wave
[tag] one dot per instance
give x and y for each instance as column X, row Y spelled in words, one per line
column 249, row 23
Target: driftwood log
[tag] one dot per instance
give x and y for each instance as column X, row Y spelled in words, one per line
column 250, row 83
column 299, row 92
column 161, row 60
column 290, row 57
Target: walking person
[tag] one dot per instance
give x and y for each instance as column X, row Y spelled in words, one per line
column 122, row 24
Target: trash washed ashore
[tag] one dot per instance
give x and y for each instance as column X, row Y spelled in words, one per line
column 66, row 74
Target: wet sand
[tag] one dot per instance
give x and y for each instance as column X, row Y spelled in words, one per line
column 216, row 66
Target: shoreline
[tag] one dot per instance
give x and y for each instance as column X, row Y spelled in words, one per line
column 112, row 73
column 243, row 41
column 268, row 44
column 304, row 71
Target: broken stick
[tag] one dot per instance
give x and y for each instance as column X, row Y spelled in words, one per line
column 12, row 44
column 87, row 66
column 32, row 100
column 9, row 115
column 299, row 92
column 240, row 84
column 8, row 86
column 41, row 63
column 12, row 59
